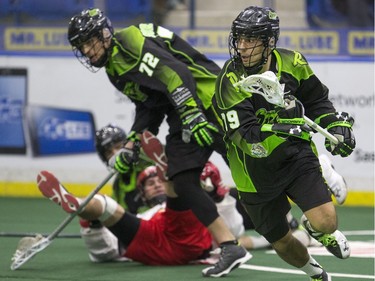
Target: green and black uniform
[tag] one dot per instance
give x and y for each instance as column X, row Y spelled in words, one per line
column 267, row 166
column 125, row 191
column 162, row 74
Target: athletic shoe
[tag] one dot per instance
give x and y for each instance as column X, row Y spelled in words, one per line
column 321, row 277
column 153, row 149
column 335, row 181
column 336, row 242
column 51, row 188
column 231, row 257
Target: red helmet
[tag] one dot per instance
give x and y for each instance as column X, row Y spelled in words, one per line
column 147, row 173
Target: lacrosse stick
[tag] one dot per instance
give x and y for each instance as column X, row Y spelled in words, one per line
column 21, row 256
column 31, row 234
column 267, row 85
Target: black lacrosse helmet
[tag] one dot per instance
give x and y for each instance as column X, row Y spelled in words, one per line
column 106, row 138
column 88, row 24
column 254, row 22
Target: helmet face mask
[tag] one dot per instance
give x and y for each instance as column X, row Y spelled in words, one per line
column 106, row 139
column 83, row 29
column 254, row 23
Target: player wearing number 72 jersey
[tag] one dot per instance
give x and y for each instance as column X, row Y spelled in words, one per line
column 165, row 77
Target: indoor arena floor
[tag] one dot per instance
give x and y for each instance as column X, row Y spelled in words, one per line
column 67, row 259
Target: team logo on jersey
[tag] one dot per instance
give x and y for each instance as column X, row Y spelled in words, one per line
column 258, row 151
column 298, row 59
column 266, row 117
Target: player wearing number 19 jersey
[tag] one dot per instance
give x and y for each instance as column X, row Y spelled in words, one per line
column 270, row 151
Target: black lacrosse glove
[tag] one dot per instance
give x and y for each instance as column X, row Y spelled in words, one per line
column 292, row 113
column 125, row 159
column 195, row 123
column 346, row 140
column 339, row 124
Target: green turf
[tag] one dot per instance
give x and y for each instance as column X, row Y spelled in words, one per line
column 66, row 258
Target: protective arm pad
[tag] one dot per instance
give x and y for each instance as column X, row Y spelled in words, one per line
column 331, row 120
column 182, row 96
column 286, row 130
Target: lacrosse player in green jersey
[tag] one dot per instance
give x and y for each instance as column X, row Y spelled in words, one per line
column 165, row 77
column 270, row 151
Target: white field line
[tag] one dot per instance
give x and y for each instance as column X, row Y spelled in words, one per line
column 299, row 272
column 359, row 232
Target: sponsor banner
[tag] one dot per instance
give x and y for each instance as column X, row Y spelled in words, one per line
column 35, row 39
column 338, row 43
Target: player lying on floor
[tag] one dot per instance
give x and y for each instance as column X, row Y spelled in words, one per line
column 170, row 236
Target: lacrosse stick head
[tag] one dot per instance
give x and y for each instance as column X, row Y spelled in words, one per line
column 265, row 84
column 27, row 248
column 261, row 23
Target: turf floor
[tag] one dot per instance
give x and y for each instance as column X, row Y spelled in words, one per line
column 66, row 258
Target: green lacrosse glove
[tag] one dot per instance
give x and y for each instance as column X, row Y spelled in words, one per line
column 133, row 136
column 195, row 123
column 292, row 113
column 125, row 159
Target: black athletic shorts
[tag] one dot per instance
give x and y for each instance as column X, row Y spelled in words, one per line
column 185, row 156
column 268, row 214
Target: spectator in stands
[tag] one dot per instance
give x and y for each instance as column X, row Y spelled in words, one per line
column 340, row 13
column 358, row 13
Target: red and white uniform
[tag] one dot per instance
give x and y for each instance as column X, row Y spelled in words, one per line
column 169, row 238
column 165, row 237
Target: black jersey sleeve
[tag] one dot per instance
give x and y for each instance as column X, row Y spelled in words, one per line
column 147, row 119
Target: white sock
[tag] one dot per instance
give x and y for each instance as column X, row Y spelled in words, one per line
column 312, row 267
